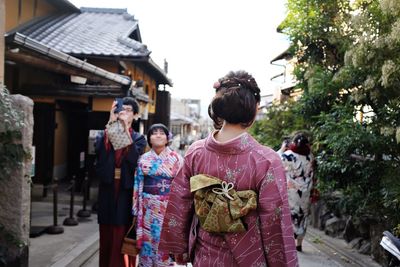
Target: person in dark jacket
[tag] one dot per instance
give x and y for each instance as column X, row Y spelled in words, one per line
column 115, row 170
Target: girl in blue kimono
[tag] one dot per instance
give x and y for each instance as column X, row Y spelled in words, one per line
column 155, row 172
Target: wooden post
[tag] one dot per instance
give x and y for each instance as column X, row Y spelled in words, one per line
column 2, row 31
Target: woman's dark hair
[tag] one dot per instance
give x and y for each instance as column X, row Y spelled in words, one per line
column 300, row 144
column 237, row 95
column 153, row 128
column 131, row 102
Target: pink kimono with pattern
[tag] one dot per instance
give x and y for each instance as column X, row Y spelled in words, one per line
column 269, row 239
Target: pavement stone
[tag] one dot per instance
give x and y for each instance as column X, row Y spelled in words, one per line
column 313, row 257
column 62, row 249
column 338, row 249
column 70, row 248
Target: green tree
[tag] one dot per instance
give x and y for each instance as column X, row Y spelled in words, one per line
column 348, row 58
column 280, row 122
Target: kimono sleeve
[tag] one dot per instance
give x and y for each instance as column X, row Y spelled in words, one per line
column 275, row 219
column 132, row 157
column 288, row 162
column 179, row 213
column 137, row 189
column 102, row 167
column 137, row 204
column 99, row 143
column 138, row 146
column 140, row 143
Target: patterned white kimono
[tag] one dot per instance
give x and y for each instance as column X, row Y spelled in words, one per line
column 299, row 177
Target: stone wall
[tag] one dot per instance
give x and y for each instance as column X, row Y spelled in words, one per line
column 2, row 30
column 15, row 194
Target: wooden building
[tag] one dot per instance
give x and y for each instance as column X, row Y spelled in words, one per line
column 73, row 63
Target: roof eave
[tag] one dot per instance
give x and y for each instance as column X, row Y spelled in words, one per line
column 282, row 55
column 159, row 75
column 162, row 76
column 141, row 58
column 64, row 5
column 38, row 47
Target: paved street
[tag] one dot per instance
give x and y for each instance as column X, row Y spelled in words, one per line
column 79, row 246
column 311, row 257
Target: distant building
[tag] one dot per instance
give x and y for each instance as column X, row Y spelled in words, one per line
column 265, row 102
column 186, row 124
column 194, row 107
column 286, row 89
column 184, row 119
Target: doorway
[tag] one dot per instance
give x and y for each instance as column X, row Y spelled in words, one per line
column 43, row 141
column 76, row 118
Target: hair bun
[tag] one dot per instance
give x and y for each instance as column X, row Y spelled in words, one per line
column 237, row 95
column 239, row 79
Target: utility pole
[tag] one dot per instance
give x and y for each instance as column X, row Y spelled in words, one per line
column 2, row 31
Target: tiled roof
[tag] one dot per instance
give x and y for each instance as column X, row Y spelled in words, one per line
column 55, row 54
column 91, row 32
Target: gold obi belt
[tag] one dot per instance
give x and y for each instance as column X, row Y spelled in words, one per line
column 218, row 206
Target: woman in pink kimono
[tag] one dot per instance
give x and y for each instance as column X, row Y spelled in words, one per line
column 154, row 174
column 233, row 156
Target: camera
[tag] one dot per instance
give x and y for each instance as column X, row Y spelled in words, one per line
column 118, row 107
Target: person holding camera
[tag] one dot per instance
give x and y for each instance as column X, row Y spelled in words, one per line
column 284, row 146
column 115, row 169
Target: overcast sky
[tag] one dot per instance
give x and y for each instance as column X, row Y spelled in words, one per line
column 203, row 40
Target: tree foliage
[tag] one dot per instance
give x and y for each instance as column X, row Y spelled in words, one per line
column 348, row 58
column 279, row 123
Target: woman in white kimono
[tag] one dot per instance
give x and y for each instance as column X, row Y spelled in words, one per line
column 298, row 162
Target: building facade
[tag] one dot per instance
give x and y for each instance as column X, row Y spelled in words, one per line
column 73, row 63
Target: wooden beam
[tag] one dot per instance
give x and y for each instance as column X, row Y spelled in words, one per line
column 53, row 66
column 110, row 91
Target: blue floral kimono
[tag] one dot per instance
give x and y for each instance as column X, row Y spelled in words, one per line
column 153, row 178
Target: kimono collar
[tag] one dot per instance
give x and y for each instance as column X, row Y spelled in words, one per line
column 163, row 153
column 237, row 145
